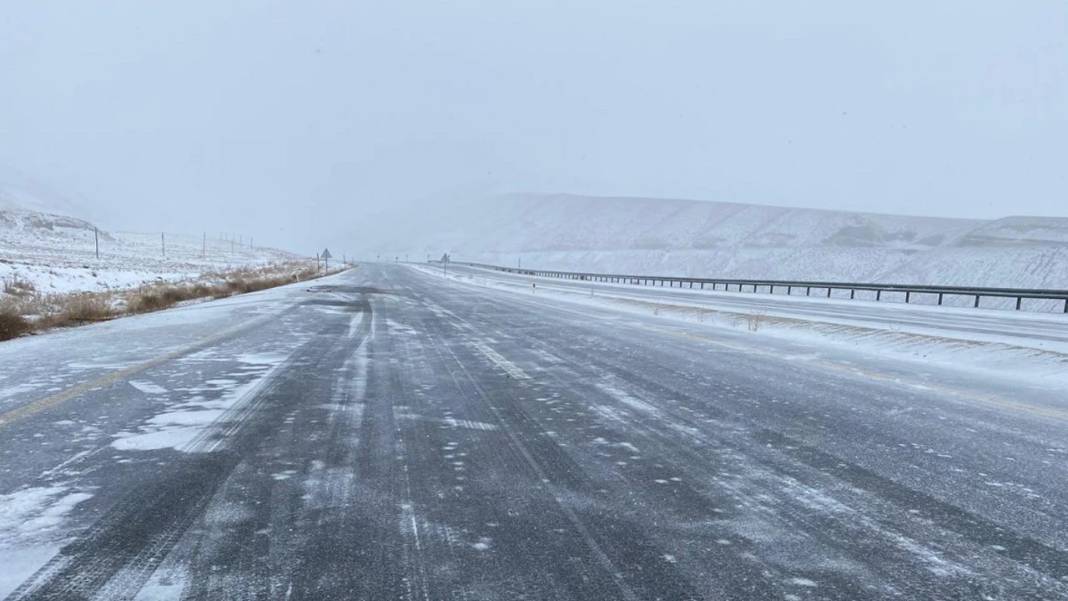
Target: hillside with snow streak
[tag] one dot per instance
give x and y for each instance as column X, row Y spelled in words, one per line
column 717, row 239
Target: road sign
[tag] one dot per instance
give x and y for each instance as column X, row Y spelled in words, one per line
column 326, row 254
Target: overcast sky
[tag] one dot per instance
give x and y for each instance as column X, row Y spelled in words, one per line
column 291, row 120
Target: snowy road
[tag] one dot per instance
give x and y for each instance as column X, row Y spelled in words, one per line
column 385, row 434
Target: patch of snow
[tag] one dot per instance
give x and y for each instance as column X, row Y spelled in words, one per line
column 804, row 582
column 31, row 530
column 147, row 387
column 183, row 425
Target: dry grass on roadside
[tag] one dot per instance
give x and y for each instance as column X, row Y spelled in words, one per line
column 12, row 323
column 164, row 296
column 82, row 308
column 22, row 311
column 254, row 280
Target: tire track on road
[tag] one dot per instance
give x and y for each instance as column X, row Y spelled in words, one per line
column 118, row 553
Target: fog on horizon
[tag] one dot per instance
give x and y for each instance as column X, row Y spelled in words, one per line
column 299, row 123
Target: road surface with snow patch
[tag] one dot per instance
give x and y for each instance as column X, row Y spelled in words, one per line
column 385, row 434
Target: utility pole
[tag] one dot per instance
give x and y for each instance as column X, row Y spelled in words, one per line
column 96, row 239
column 163, row 244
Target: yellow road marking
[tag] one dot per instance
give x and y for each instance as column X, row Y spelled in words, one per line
column 35, row 407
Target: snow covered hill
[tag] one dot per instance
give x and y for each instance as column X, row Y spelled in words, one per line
column 685, row 237
column 57, row 253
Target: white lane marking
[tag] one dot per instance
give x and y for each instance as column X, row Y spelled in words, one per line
column 510, row 368
column 468, row 424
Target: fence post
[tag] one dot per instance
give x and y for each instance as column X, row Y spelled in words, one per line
column 96, row 238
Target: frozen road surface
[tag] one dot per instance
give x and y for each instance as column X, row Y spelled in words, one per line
column 386, row 434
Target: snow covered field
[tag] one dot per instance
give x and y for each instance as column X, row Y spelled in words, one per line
column 46, row 247
column 57, row 254
column 719, row 239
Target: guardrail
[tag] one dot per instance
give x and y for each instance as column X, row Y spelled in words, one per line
column 743, row 285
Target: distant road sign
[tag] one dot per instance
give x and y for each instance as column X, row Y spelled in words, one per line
column 326, row 254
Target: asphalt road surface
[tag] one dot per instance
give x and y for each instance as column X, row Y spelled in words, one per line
column 385, row 434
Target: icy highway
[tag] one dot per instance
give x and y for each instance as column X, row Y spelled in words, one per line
column 389, row 434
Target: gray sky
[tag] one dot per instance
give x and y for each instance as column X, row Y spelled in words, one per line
column 292, row 120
